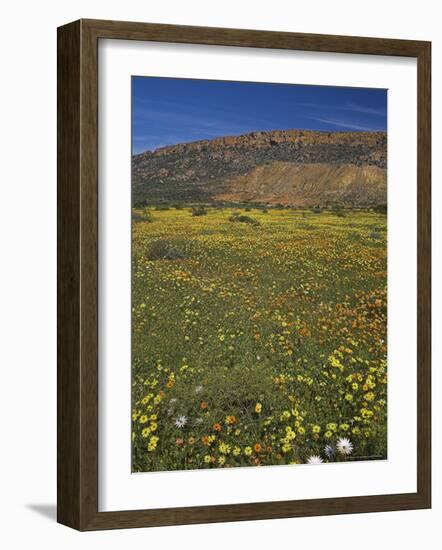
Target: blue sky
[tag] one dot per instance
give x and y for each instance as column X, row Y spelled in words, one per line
column 166, row 111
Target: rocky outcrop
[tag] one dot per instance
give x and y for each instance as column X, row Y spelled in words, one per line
column 273, row 167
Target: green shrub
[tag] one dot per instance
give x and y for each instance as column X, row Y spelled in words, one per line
column 199, row 211
column 338, row 211
column 144, row 216
column 243, row 219
column 375, row 235
column 380, row 208
column 164, row 250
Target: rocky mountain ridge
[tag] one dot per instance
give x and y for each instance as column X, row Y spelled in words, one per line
column 293, row 167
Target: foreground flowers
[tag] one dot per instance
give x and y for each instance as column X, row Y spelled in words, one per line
column 315, row 459
column 329, row 451
column 181, row 421
column 245, row 351
column 344, row 446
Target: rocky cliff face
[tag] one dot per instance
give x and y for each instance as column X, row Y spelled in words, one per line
column 293, row 167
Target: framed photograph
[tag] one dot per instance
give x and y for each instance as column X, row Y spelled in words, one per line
column 243, row 275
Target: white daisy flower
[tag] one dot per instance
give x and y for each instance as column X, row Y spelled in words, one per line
column 181, row 421
column 198, row 389
column 344, row 446
column 315, row 459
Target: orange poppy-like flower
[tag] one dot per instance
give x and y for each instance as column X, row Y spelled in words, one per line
column 217, row 427
column 191, row 440
column 257, row 447
column 231, row 419
column 170, row 384
column 304, row 332
column 205, row 440
column 204, row 405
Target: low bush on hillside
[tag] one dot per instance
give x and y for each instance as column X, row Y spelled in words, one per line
column 244, row 219
column 338, row 211
column 144, row 216
column 375, row 235
column 380, row 208
column 199, row 211
column 164, row 250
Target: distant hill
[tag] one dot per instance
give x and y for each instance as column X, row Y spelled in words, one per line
column 290, row 167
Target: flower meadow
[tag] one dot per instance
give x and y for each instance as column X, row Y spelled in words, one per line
column 258, row 337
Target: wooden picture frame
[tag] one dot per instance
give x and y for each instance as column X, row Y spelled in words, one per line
column 78, row 274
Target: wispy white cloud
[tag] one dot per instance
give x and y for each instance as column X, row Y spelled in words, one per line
column 343, row 124
column 347, row 107
column 186, row 113
column 178, row 124
column 367, row 110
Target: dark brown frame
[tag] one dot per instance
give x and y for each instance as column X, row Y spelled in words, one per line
column 78, row 268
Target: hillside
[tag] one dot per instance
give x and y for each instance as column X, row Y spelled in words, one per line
column 290, row 183
column 292, row 167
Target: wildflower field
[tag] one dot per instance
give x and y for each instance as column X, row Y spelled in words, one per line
column 258, row 337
